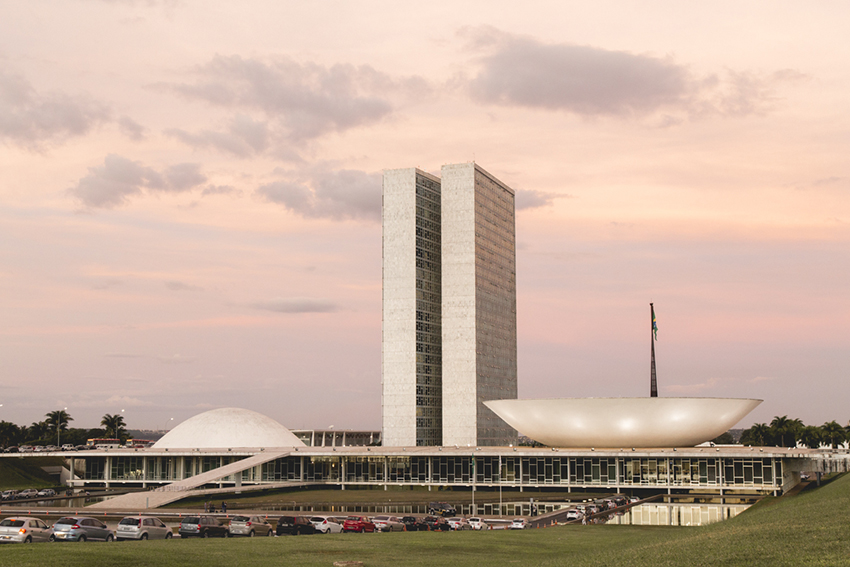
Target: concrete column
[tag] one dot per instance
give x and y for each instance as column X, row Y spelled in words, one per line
column 107, row 474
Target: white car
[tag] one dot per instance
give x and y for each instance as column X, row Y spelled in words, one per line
column 458, row 524
column 326, row 524
column 142, row 527
column 478, row 524
column 45, row 492
column 574, row 514
column 24, row 530
column 518, row 524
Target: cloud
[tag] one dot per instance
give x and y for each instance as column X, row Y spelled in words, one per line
column 30, row 119
column 307, row 99
column 329, row 193
column 297, row 305
column 131, row 128
column 244, row 137
column 531, row 199
column 176, row 359
column 591, row 81
column 119, row 178
column 180, row 286
column 220, row 190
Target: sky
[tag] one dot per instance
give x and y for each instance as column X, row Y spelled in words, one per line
column 190, row 198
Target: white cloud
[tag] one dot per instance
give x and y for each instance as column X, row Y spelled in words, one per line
column 30, row 119
column 119, row 178
column 297, row 305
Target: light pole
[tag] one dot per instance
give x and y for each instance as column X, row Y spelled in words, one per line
column 59, row 429
column 165, row 427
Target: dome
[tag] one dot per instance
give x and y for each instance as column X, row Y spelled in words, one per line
column 623, row 422
column 228, row 428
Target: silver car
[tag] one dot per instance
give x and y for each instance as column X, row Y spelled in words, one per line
column 24, row 530
column 79, row 528
column 250, row 526
column 142, row 527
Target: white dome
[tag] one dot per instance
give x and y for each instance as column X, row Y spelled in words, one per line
column 228, row 428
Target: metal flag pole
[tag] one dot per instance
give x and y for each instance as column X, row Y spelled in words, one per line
column 653, row 387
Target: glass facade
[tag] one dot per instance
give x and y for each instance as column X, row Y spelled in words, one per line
column 429, row 355
column 762, row 473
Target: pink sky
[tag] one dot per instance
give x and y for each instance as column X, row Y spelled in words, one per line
column 190, row 198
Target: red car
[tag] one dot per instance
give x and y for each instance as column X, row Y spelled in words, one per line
column 358, row 524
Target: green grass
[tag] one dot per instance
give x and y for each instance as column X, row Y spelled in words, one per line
column 26, row 473
column 809, row 529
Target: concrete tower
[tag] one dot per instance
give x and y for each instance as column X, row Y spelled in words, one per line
column 449, row 307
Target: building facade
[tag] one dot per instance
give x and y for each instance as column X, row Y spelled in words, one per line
column 448, row 251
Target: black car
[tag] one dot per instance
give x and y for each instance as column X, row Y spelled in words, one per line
column 202, row 526
column 441, row 509
column 414, row 524
column 295, row 525
column 437, row 524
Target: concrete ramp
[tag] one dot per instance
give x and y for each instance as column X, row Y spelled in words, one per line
column 184, row 488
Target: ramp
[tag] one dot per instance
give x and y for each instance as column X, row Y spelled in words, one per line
column 183, row 488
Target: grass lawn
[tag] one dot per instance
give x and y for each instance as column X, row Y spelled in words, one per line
column 27, row 473
column 809, row 529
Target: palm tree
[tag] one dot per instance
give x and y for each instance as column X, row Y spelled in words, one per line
column 58, row 420
column 758, row 434
column 37, row 431
column 833, row 432
column 811, row 436
column 114, row 425
column 10, row 434
column 786, row 429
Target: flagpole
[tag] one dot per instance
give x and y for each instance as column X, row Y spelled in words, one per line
column 653, row 386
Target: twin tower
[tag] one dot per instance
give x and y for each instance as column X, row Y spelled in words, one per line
column 449, row 307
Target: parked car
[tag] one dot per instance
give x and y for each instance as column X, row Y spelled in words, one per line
column 388, row 524
column 8, row 494
column 80, row 528
column 28, row 493
column 24, row 530
column 12, row 449
column 68, row 447
column 202, row 526
column 142, row 527
column 435, row 523
column 459, row 524
column 46, row 493
column 574, row 514
column 478, row 524
column 413, row 524
column 250, row 526
column 518, row 524
column 295, row 525
column 326, row 524
column 441, row 509
column 358, row 524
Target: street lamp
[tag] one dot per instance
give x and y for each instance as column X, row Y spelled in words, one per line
column 59, row 429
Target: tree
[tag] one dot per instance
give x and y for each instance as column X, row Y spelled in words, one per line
column 10, row 434
column 724, row 439
column 759, row 434
column 114, row 425
column 58, row 420
column 811, row 436
column 786, row 430
column 37, row 431
column 834, row 433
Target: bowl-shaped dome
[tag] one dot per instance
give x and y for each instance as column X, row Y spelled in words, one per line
column 228, row 428
column 623, row 422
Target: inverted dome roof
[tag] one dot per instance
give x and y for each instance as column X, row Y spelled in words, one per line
column 623, row 422
column 228, row 428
